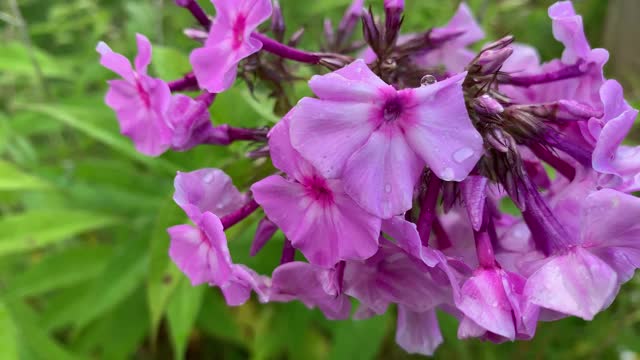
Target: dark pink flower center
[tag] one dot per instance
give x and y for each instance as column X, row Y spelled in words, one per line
column 318, row 189
column 143, row 94
column 239, row 27
column 392, row 109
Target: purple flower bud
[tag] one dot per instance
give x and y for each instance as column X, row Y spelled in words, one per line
column 264, row 232
column 486, row 105
column 371, row 32
column 491, row 61
column 393, row 10
column 277, row 22
column 500, row 44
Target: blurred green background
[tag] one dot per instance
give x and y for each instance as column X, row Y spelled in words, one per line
column 84, row 271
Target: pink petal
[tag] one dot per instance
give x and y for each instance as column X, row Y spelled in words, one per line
column 327, row 133
column 406, row 236
column 354, row 82
column 568, row 29
column 115, row 62
column 205, row 190
column 201, row 254
column 483, row 300
column 474, row 193
column 324, row 233
column 283, row 155
column 258, row 11
column 575, row 283
column 143, row 59
column 418, row 332
column 381, row 175
column 441, row 131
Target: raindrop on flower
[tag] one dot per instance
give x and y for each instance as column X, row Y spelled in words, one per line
column 387, row 188
column 428, row 80
column 447, row 174
column 462, row 154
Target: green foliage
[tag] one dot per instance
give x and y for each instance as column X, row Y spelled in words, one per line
column 84, row 269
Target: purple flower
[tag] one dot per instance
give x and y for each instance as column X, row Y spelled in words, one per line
column 315, row 213
column 454, row 54
column 377, row 139
column 312, row 285
column 140, row 101
column 583, row 278
column 190, row 124
column 418, row 332
column 229, row 42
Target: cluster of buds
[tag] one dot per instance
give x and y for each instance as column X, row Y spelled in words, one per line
column 388, row 184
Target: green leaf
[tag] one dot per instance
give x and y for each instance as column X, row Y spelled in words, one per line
column 164, row 276
column 32, row 336
column 8, row 335
column 122, row 275
column 13, row 179
column 170, row 63
column 181, row 314
column 60, row 270
column 15, row 59
column 38, row 228
column 92, row 129
column 359, row 339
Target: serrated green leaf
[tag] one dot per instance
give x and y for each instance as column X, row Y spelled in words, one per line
column 38, row 228
column 8, row 335
column 14, row 179
column 181, row 314
column 59, row 270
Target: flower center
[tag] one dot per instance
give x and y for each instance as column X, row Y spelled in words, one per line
column 143, row 94
column 392, row 109
column 318, row 189
column 239, row 27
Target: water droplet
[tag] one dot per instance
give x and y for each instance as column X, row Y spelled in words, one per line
column 428, row 80
column 447, row 174
column 387, row 188
column 462, row 154
column 208, row 178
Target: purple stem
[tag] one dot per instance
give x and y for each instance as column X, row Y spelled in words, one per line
column 187, row 82
column 196, row 11
column 443, row 239
column 428, row 208
column 566, row 72
column 484, row 249
column 288, row 252
column 557, row 163
column 246, row 134
column 284, row 51
column 239, row 215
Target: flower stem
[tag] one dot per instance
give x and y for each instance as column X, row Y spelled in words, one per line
column 567, row 72
column 196, row 11
column 239, row 215
column 284, row 51
column 484, row 249
column 187, row 82
column 428, row 208
column 557, row 163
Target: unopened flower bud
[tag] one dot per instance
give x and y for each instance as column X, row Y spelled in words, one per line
column 491, row 61
column 500, row 44
column 486, row 105
column 277, row 22
column 264, row 232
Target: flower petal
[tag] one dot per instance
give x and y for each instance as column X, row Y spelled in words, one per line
column 354, row 82
column 418, row 332
column 143, row 59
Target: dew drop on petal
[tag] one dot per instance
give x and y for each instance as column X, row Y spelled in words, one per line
column 462, row 154
column 208, row 178
column 428, row 80
column 447, row 174
column 387, row 188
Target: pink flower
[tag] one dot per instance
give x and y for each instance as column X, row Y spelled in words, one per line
column 229, row 42
column 378, row 139
column 418, row 332
column 315, row 213
column 140, row 101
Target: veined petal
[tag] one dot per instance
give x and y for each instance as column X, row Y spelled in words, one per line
column 575, row 283
column 441, row 132
column 327, row 133
column 382, row 174
column 418, row 332
column 205, row 190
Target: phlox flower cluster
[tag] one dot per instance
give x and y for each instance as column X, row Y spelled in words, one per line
column 388, row 183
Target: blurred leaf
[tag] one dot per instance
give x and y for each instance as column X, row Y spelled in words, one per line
column 12, row 179
column 164, row 276
column 38, row 228
column 181, row 314
column 62, row 269
column 359, row 339
column 15, row 59
column 8, row 335
column 33, row 337
column 121, row 276
column 115, row 141
column 170, row 63
column 217, row 319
